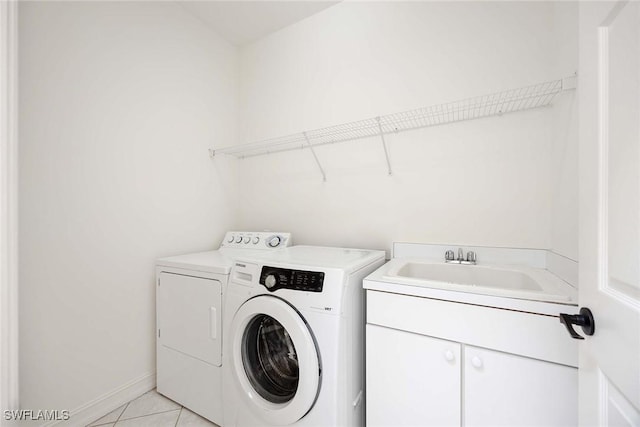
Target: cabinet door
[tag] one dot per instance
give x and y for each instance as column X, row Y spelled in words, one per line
column 502, row 389
column 411, row 379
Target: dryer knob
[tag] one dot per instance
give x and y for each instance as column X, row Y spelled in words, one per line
column 270, row 281
column 274, row 241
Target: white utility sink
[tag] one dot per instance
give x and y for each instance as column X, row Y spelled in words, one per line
column 507, row 281
column 472, row 275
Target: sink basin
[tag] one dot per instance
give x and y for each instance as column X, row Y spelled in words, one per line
column 471, row 275
column 506, row 281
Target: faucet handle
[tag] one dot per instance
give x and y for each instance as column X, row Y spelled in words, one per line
column 449, row 255
column 471, row 257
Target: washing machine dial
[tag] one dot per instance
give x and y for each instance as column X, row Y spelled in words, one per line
column 239, row 239
column 274, row 241
column 256, row 240
column 230, row 239
column 270, row 281
column 246, row 240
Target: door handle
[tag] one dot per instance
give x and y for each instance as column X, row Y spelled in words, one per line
column 584, row 319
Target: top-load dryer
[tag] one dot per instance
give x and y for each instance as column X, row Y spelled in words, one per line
column 189, row 303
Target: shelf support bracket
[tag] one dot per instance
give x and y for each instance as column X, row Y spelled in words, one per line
column 570, row 82
column 384, row 145
column 306, row 138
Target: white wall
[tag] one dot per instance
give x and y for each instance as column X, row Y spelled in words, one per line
column 564, row 179
column 118, row 105
column 485, row 182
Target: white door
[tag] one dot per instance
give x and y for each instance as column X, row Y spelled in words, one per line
column 189, row 310
column 411, row 379
column 502, row 389
column 609, row 91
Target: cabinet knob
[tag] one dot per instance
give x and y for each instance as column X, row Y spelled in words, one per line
column 449, row 356
column 476, row 362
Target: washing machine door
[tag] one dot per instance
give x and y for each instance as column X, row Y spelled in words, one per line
column 274, row 360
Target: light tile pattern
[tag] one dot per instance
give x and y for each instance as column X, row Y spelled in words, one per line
column 110, row 418
column 148, row 403
column 190, row 419
column 152, row 410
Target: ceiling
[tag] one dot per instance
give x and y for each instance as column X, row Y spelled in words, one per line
column 243, row 22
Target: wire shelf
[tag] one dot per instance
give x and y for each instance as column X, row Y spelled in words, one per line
column 508, row 101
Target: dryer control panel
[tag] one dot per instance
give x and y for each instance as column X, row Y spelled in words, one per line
column 274, row 278
column 266, row 240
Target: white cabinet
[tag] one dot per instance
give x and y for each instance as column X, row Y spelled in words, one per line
column 509, row 390
column 411, row 377
column 441, row 363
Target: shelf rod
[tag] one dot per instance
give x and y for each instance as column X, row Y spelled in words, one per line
column 306, row 138
column 384, row 145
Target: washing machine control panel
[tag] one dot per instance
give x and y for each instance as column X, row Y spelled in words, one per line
column 274, row 278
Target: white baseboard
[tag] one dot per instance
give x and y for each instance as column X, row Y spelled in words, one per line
column 91, row 411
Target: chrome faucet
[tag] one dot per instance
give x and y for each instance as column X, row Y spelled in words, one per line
column 449, row 256
column 471, row 257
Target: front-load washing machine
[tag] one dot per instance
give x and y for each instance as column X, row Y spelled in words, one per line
column 294, row 337
column 189, row 305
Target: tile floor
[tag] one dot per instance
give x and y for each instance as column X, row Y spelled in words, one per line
column 152, row 410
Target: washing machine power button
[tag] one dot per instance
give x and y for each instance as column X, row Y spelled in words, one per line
column 270, row 281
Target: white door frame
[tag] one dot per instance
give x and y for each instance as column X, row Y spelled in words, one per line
column 9, row 204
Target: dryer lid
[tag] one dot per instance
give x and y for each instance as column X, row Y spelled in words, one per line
column 219, row 261
column 210, row 262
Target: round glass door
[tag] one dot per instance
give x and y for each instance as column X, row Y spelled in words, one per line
column 274, row 360
column 270, row 359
